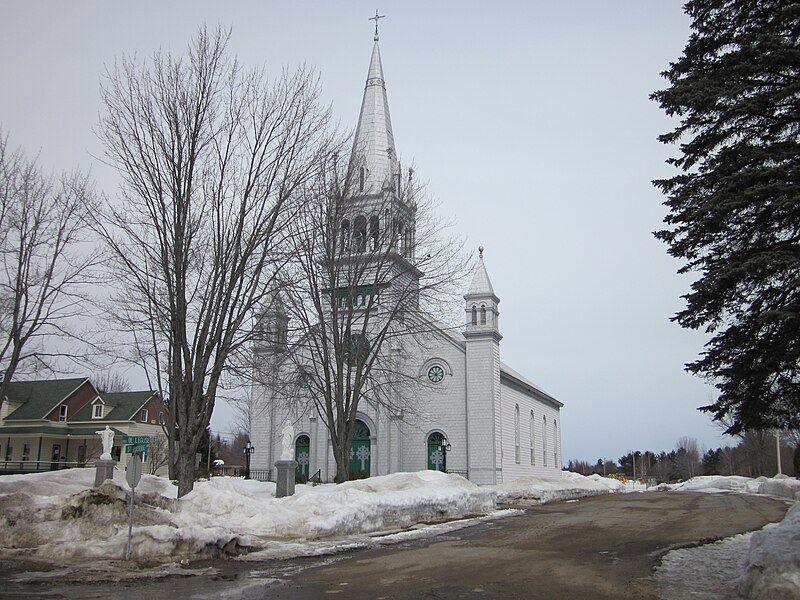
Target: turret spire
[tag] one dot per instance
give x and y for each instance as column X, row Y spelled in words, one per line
column 374, row 158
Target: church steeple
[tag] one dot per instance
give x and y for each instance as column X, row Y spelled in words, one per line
column 374, row 156
column 481, row 303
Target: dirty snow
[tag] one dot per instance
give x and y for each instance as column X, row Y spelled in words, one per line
column 59, row 516
column 571, row 485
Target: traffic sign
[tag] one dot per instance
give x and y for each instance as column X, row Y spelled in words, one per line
column 135, row 439
column 135, row 448
column 133, row 472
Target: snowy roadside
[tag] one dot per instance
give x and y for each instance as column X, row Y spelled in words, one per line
column 57, row 516
column 763, row 565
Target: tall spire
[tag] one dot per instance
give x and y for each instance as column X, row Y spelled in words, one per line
column 373, row 146
column 481, row 286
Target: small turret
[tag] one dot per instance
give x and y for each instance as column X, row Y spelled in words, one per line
column 481, row 303
column 272, row 326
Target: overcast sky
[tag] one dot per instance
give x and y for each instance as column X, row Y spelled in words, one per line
column 530, row 121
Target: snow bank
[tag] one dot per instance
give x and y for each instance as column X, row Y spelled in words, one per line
column 59, row 516
column 783, row 487
column 571, row 485
column 718, row 483
column 773, row 566
column 389, row 501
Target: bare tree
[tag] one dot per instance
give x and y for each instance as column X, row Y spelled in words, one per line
column 110, row 381
column 158, row 453
column 46, row 262
column 211, row 158
column 372, row 276
column 688, row 457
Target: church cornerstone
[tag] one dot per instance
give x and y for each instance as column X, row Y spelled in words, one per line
column 284, row 482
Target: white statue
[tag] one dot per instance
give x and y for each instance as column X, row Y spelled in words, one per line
column 288, row 439
column 107, row 437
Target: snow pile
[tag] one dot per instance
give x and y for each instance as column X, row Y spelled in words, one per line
column 719, row 483
column 389, row 501
column 781, row 486
column 571, row 485
column 59, row 516
column 773, row 567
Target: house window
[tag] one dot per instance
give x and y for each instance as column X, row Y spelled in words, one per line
column 98, row 411
column 143, row 416
column 9, row 450
column 62, row 412
column 26, row 452
column 516, row 434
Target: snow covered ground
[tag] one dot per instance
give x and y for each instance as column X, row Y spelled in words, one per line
column 58, row 516
column 764, row 564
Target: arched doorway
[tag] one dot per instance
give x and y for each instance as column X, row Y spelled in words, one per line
column 302, row 447
column 437, row 453
column 360, row 454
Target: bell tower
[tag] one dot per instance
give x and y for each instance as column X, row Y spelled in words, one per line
column 482, row 333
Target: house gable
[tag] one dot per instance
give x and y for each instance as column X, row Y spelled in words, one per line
column 36, row 400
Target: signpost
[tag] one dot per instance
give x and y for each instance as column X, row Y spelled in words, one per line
column 136, row 446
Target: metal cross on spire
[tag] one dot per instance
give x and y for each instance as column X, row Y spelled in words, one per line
column 375, row 18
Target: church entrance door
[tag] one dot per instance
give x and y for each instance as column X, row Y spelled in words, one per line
column 437, row 453
column 360, row 452
column 302, row 447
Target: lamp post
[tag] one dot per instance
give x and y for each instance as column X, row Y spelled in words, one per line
column 248, row 450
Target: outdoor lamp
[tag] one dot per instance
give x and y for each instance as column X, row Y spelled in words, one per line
column 446, row 444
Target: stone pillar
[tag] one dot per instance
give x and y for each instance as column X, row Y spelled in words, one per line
column 104, row 469
column 284, row 479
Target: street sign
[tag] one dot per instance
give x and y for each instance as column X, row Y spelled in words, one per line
column 133, row 472
column 135, row 439
column 135, row 448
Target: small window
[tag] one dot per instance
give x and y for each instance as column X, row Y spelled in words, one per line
column 98, row 411
column 483, row 315
column 9, row 450
column 474, row 315
column 62, row 412
column 26, row 452
column 143, row 416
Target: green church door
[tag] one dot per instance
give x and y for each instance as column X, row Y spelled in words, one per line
column 360, row 453
column 437, row 454
column 302, row 456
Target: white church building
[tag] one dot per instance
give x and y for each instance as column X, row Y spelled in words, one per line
column 482, row 419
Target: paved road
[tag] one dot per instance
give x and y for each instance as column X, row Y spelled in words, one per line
column 601, row 547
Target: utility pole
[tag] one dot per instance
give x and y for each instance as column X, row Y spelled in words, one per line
column 778, row 449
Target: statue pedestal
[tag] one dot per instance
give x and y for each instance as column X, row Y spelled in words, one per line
column 284, row 481
column 104, row 469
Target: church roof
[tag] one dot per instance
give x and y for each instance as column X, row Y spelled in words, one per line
column 481, row 285
column 373, row 146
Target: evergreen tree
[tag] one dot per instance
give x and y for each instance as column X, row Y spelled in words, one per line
column 734, row 208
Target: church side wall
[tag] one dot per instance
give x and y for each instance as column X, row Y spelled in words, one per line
column 542, row 441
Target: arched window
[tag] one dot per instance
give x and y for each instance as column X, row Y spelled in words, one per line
column 344, row 242
column 360, row 233
column 474, row 315
column 437, row 452
column 483, row 315
column 533, row 450
column 555, row 443
column 374, row 232
column 401, row 239
column 516, row 433
column 407, row 243
column 544, row 440
column 361, row 177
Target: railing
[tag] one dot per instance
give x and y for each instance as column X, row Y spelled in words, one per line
column 10, row 467
column 260, row 474
column 316, row 477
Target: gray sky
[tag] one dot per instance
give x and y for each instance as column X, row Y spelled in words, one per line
column 532, row 125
